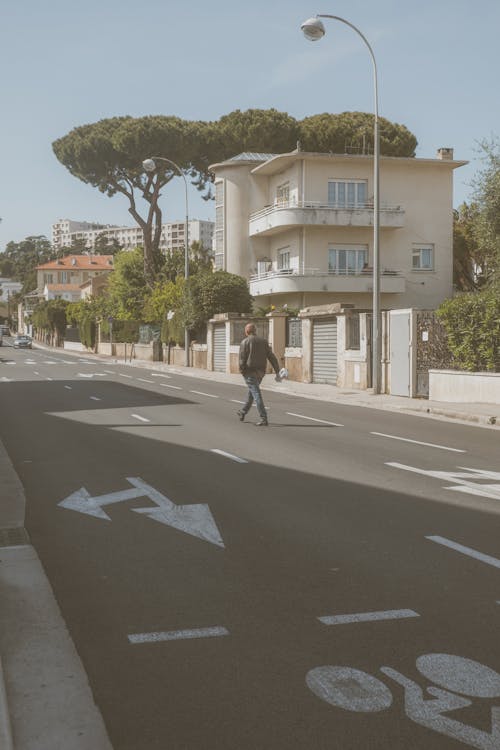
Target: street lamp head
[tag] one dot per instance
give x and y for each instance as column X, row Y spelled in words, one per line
column 313, row 29
column 149, row 165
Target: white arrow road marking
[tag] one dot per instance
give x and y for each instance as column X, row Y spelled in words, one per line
column 177, row 635
column 465, row 550
column 418, row 442
column 83, row 502
column 196, row 520
column 461, row 479
column 389, row 614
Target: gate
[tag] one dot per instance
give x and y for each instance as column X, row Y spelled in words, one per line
column 324, row 354
column 400, row 336
column 220, row 348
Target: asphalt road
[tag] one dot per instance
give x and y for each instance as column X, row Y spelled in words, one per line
column 329, row 582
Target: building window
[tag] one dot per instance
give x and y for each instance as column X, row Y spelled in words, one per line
column 48, row 278
column 283, row 194
column 352, row 332
column 347, row 261
column 347, row 194
column 284, row 259
column 63, row 277
column 423, row 258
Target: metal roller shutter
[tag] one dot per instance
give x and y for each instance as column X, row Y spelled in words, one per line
column 324, row 363
column 220, row 348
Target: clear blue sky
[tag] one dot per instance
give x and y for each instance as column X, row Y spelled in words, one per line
column 66, row 62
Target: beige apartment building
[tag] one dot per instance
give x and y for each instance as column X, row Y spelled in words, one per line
column 299, row 227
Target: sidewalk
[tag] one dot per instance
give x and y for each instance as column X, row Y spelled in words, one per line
column 45, row 699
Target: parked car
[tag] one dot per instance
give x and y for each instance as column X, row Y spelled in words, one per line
column 22, row 342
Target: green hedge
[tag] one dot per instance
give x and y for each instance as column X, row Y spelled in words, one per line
column 472, row 323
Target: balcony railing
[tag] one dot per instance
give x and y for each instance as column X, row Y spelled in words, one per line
column 318, row 205
column 279, row 273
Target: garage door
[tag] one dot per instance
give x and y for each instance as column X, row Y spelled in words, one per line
column 220, row 348
column 325, row 351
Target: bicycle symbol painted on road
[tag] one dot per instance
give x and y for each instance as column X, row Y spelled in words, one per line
column 354, row 690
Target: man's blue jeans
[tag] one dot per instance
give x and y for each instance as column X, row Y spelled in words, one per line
column 254, row 394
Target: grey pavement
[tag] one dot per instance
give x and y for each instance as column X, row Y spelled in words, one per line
column 45, row 699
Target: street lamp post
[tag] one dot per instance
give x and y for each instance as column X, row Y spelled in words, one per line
column 314, row 30
column 150, row 166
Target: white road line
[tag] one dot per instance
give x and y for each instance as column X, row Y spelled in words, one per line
column 49, row 362
column 323, row 421
column 177, row 635
column 418, row 442
column 235, row 401
column 142, row 419
column 68, row 387
column 159, row 375
column 465, row 550
column 109, row 372
column 48, row 378
column 94, row 398
column 175, row 387
column 389, row 614
column 35, row 372
column 122, row 375
column 143, row 380
column 201, row 393
column 229, row 455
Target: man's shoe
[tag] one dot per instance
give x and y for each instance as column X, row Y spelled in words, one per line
column 241, row 415
column 262, row 423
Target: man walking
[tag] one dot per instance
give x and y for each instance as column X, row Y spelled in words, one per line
column 254, row 353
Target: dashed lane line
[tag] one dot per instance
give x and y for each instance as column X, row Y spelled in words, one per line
column 388, row 614
column 177, row 635
column 122, row 375
column 68, row 387
column 229, row 455
column 419, row 442
column 159, row 375
column 313, row 419
column 94, row 398
column 141, row 419
column 143, row 380
column 202, row 393
column 175, row 387
column 465, row 550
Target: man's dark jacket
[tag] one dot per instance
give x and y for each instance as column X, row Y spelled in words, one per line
column 254, row 353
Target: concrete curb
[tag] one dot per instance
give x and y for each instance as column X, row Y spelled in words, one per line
column 6, row 741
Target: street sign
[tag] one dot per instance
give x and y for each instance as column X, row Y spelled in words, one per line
column 196, row 520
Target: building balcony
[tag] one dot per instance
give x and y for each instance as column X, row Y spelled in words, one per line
column 280, row 216
column 287, row 281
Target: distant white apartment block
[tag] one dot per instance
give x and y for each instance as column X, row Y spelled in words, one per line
column 65, row 233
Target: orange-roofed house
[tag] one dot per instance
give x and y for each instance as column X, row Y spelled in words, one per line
column 64, row 277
